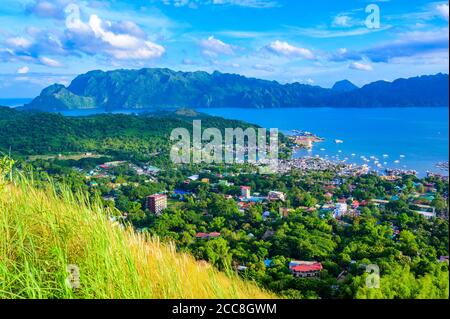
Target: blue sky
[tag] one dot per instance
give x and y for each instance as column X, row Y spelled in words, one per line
column 317, row 42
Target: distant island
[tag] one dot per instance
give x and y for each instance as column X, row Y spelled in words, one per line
column 165, row 88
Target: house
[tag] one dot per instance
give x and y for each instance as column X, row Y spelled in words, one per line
column 390, row 178
column 379, row 202
column 340, row 210
column 202, row 235
column 194, row 177
column 268, row 263
column 214, row 235
column 328, row 195
column 425, row 210
column 245, row 191
column 274, row 195
column 305, row 269
column 205, row 180
column 207, row 236
column 180, row 194
column 284, row 212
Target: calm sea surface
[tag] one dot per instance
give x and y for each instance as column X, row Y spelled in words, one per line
column 15, row 102
column 405, row 138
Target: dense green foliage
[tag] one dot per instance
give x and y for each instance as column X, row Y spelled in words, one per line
column 162, row 88
column 125, row 136
column 402, row 243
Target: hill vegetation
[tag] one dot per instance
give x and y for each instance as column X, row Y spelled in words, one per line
column 126, row 136
column 164, row 88
column 45, row 233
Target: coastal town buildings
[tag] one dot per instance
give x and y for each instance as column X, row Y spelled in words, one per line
column 305, row 269
column 274, row 195
column 156, row 203
column 245, row 191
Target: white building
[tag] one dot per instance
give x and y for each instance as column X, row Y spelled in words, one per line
column 341, row 209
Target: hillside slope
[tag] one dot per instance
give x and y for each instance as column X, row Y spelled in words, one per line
column 42, row 234
column 165, row 88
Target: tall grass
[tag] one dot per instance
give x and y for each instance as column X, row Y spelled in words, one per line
column 43, row 231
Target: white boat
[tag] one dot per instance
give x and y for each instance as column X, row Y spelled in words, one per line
column 338, row 141
column 385, row 155
column 402, row 156
column 397, row 161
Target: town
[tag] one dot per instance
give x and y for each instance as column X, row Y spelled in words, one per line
column 146, row 194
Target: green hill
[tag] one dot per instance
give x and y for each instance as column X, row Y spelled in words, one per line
column 46, row 232
column 165, row 88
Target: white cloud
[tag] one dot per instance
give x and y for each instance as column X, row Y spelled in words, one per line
column 50, row 62
column 123, row 40
column 288, row 50
column 23, row 70
column 125, row 46
column 361, row 66
column 342, row 21
column 262, row 67
column 19, row 42
column 213, row 47
column 48, row 9
column 443, row 10
column 258, row 4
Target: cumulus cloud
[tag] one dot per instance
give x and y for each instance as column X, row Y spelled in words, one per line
column 122, row 45
column 361, row 66
column 115, row 40
column 285, row 49
column 213, row 47
column 443, row 10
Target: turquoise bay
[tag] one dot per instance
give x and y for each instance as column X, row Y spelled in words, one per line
column 403, row 138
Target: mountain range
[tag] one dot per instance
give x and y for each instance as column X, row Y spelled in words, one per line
column 165, row 88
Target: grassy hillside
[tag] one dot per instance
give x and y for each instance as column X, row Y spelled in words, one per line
column 44, row 231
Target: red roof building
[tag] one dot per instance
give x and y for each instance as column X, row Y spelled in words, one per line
column 214, row 235
column 305, row 268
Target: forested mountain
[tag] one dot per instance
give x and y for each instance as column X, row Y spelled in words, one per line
column 164, row 88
